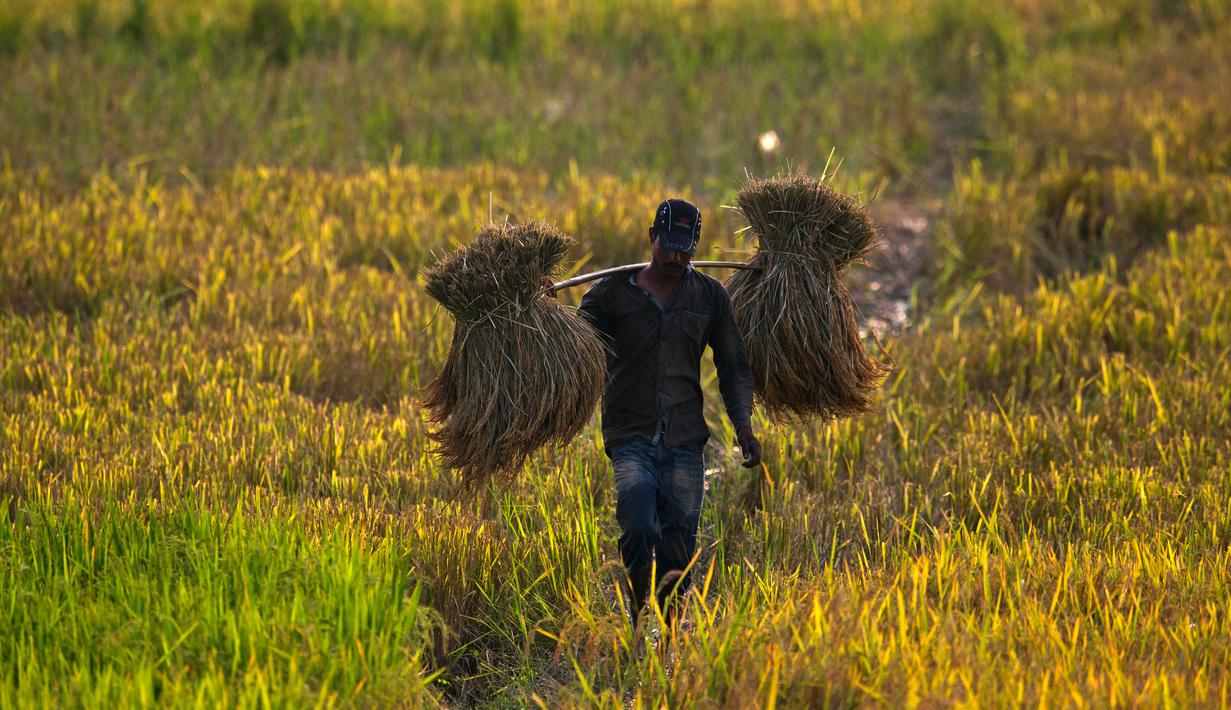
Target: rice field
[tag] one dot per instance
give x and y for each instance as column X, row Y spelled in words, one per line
column 216, row 221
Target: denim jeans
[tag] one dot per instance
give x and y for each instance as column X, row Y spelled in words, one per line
column 659, row 490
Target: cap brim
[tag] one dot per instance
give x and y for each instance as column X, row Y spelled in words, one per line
column 679, row 242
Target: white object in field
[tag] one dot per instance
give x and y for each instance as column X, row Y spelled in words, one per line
column 769, row 142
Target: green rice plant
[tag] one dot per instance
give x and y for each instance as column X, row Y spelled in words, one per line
column 271, row 29
column 241, row 606
column 201, row 92
column 138, row 26
column 963, row 41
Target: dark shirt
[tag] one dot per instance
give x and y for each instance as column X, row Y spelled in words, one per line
column 654, row 358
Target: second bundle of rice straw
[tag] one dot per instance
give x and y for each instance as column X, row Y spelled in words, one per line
column 795, row 314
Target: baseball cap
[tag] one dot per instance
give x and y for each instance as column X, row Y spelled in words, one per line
column 678, row 223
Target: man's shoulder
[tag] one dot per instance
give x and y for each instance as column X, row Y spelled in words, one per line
column 711, row 286
column 602, row 287
column 709, row 281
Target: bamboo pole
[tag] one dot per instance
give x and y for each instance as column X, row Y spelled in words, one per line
column 594, row 276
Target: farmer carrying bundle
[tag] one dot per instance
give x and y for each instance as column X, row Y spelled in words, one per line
column 795, row 314
column 658, row 318
column 523, row 370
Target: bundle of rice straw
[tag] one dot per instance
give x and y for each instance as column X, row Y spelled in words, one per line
column 523, row 370
column 795, row 314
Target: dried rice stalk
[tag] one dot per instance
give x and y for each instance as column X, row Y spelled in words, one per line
column 523, row 370
column 795, row 314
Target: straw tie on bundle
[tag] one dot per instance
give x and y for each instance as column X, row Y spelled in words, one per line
column 522, row 370
column 795, row 314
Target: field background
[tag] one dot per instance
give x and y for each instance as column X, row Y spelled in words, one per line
column 214, row 487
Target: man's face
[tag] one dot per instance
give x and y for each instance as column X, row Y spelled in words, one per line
column 670, row 262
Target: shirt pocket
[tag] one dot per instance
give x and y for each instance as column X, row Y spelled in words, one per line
column 691, row 325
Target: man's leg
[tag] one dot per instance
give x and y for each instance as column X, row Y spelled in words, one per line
column 681, row 492
column 636, row 487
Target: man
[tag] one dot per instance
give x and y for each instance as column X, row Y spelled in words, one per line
column 656, row 323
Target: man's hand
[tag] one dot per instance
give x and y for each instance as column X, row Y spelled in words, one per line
column 749, row 446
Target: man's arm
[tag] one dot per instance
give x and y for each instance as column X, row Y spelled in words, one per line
column 734, row 376
column 593, row 308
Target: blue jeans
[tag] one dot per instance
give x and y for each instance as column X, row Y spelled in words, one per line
column 659, row 491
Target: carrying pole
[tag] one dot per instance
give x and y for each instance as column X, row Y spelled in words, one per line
column 583, row 278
